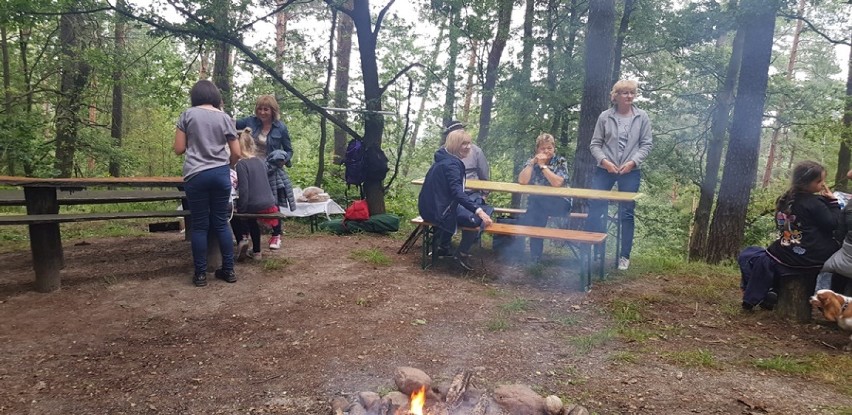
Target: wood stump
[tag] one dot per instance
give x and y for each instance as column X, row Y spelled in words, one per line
column 794, row 291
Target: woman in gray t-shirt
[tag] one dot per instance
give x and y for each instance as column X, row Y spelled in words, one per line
column 202, row 133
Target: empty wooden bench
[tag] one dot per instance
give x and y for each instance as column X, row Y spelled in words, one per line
column 593, row 239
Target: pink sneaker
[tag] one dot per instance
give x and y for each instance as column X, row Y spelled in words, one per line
column 275, row 242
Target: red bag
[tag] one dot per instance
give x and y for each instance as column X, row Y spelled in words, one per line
column 357, row 211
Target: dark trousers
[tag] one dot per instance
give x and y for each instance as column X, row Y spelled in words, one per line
column 759, row 273
column 207, row 194
column 604, row 180
column 243, row 226
column 539, row 209
column 442, row 239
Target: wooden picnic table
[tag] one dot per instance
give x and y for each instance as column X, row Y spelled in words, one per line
column 572, row 192
column 530, row 189
column 42, row 200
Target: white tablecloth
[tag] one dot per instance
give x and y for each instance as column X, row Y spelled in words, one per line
column 304, row 209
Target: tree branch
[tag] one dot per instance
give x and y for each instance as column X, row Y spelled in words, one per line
column 814, row 28
column 277, row 10
column 214, row 34
column 381, row 17
column 395, row 77
column 339, row 8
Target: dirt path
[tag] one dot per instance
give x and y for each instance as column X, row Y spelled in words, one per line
column 129, row 334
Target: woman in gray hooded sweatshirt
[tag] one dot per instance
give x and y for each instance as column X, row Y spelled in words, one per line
column 620, row 144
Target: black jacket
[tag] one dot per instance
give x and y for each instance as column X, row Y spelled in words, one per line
column 443, row 191
column 806, row 237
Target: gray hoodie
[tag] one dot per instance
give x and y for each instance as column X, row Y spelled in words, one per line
column 604, row 143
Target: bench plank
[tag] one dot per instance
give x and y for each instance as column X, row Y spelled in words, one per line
column 546, row 233
column 93, row 197
column 86, row 217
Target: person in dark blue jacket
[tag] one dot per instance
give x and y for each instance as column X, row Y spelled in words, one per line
column 269, row 134
column 443, row 192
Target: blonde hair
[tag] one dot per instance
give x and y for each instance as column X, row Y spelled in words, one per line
column 246, row 144
column 544, row 138
column 454, row 141
column 270, row 102
column 623, row 85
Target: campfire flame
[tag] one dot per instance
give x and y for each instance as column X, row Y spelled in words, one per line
column 418, row 399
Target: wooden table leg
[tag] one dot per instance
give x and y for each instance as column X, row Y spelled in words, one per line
column 45, row 239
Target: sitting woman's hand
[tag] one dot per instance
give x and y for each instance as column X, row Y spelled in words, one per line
column 486, row 220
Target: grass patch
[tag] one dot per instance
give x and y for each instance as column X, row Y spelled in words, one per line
column 586, row 344
column 492, row 292
column 786, row 364
column 516, row 305
column 565, row 319
column 624, row 357
column 275, row 264
column 372, row 256
column 692, row 358
column 536, row 270
column 497, row 324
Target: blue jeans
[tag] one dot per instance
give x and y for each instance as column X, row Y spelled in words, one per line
column 604, row 180
column 207, row 194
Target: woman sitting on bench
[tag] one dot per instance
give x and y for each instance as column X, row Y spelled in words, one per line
column 544, row 169
column 806, row 216
column 443, row 191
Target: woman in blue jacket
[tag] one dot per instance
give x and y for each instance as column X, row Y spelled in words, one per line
column 269, row 134
column 443, row 192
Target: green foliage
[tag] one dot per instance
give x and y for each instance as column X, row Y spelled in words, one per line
column 373, row 256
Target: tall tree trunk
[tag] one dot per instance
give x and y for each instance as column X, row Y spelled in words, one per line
column 7, row 97
column 222, row 73
column 524, row 82
column 222, row 59
column 374, row 122
column 341, row 78
column 629, row 5
column 504, row 20
column 204, row 63
column 116, row 128
column 726, row 230
column 74, row 74
column 598, row 67
column 468, row 88
column 424, row 96
column 450, row 93
column 841, row 182
column 325, row 95
column 281, row 19
column 23, row 46
column 718, row 130
column 777, row 125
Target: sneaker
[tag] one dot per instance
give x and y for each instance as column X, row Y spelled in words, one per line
column 257, row 256
column 242, row 250
column 200, row 280
column 464, row 261
column 623, row 263
column 440, row 252
column 275, row 242
column 227, row 276
column 769, row 301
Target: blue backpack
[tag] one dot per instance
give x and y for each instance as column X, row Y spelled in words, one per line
column 354, row 163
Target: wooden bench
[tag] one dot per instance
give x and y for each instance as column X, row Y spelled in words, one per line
column 516, row 212
column 87, row 217
column 93, row 197
column 595, row 239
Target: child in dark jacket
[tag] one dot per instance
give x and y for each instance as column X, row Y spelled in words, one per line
column 253, row 196
column 282, row 189
column 806, row 217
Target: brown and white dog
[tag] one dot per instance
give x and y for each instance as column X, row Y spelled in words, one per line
column 835, row 307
